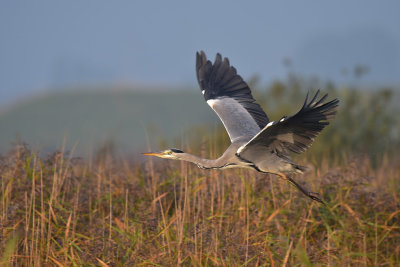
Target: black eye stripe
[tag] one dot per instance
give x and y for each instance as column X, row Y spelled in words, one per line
column 176, row 150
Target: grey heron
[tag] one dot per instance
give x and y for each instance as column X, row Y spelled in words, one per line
column 256, row 142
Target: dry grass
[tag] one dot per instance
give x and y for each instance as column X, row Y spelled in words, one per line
column 62, row 211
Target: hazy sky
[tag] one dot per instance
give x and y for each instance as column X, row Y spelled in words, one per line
column 54, row 44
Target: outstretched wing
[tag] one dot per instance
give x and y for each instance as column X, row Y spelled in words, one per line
column 295, row 133
column 230, row 97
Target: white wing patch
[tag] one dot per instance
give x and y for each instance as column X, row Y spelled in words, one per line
column 237, row 120
column 241, row 149
column 203, row 92
column 258, row 133
column 212, row 102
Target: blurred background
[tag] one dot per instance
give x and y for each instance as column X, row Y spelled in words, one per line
column 95, row 75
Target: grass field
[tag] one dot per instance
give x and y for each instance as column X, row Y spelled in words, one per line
column 63, row 211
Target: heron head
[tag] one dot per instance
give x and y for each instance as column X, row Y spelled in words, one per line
column 172, row 153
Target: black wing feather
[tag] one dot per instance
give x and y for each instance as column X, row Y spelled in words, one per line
column 221, row 80
column 296, row 133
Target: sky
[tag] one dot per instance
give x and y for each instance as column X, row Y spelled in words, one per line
column 53, row 45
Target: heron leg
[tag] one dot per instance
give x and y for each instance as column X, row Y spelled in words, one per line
column 312, row 195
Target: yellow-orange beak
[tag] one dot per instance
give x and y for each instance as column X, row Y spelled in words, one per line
column 150, row 154
column 157, row 154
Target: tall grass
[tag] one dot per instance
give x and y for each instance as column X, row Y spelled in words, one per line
column 62, row 211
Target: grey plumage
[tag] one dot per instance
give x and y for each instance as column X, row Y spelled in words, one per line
column 256, row 143
column 220, row 80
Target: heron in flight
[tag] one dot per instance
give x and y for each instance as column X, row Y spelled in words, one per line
column 256, row 142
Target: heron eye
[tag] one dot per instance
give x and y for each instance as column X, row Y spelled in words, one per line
column 176, row 150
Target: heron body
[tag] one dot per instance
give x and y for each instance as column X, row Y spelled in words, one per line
column 256, row 142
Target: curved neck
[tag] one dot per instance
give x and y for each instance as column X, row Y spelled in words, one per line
column 202, row 163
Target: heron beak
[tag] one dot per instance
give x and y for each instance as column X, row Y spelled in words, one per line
column 157, row 154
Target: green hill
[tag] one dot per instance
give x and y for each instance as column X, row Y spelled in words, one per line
column 91, row 118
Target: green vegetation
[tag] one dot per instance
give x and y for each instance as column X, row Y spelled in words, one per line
column 110, row 211
column 366, row 121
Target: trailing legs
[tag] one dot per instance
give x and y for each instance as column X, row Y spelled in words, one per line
column 312, row 195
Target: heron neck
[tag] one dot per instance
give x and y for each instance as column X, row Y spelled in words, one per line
column 200, row 162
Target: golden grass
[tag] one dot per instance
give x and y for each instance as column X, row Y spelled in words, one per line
column 62, row 211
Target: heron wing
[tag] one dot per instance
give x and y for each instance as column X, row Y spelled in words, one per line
column 295, row 133
column 230, row 97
